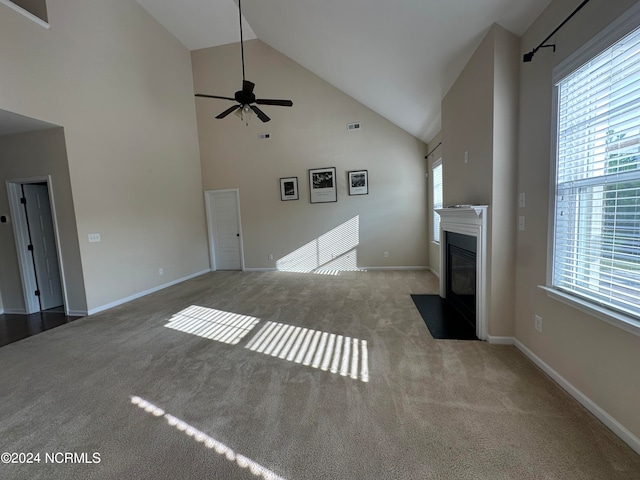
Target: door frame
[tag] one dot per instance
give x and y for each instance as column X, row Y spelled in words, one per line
column 21, row 235
column 209, row 202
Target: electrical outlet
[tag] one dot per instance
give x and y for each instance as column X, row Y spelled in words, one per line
column 94, row 237
column 386, row 254
column 538, row 323
column 466, row 156
column 161, row 271
column 271, row 256
column 521, row 223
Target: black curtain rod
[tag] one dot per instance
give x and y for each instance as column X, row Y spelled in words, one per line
column 434, row 149
column 527, row 57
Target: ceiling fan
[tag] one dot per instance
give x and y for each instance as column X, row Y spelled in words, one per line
column 245, row 98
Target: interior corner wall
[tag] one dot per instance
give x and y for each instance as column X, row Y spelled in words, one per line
column 30, row 155
column 479, row 118
column 598, row 359
column 434, row 248
column 504, row 180
column 122, row 88
column 393, row 217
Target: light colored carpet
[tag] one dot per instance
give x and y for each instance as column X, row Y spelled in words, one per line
column 165, row 388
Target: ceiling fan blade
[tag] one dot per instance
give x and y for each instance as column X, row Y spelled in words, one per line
column 248, row 86
column 260, row 114
column 280, row 103
column 228, row 111
column 214, row 96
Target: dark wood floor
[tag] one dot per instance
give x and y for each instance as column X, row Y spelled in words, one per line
column 17, row 327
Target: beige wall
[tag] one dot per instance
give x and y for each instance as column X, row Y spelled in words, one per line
column 479, row 116
column 312, row 134
column 598, row 359
column 121, row 86
column 30, row 155
column 434, row 248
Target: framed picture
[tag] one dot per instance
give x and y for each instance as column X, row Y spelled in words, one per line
column 289, row 188
column 322, row 185
column 358, row 182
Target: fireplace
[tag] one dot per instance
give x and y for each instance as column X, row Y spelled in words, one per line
column 461, row 274
column 463, row 262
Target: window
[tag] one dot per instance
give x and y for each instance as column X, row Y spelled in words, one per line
column 596, row 250
column 437, row 197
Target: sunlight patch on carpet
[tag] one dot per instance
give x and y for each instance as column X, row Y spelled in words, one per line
column 218, row 325
column 209, row 442
column 337, row 354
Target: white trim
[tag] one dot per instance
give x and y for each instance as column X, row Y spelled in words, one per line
column 469, row 220
column 77, row 313
column 500, row 340
column 135, row 296
column 611, row 317
column 260, row 269
column 615, row 426
column 26, row 13
column 209, row 195
column 394, row 268
column 15, row 311
column 437, row 274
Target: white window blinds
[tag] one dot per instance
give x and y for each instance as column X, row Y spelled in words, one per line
column 437, row 197
column 597, row 207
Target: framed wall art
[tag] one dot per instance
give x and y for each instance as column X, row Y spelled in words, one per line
column 322, row 185
column 289, row 188
column 358, row 182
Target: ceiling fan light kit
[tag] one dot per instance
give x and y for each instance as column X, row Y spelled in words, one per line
column 245, row 98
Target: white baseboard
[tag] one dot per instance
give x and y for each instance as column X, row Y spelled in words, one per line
column 616, row 427
column 260, row 269
column 77, row 313
column 15, row 311
column 434, row 272
column 500, row 340
column 146, row 292
column 372, row 269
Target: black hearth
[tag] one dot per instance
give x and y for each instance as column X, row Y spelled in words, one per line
column 461, row 274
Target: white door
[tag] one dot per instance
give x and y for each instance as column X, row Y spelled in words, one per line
column 224, row 229
column 45, row 254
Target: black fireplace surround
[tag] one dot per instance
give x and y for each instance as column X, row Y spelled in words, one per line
column 461, row 274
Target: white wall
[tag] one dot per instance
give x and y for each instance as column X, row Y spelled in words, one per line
column 311, row 134
column 598, row 359
column 121, row 86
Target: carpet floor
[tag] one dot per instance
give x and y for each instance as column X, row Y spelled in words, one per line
column 277, row 375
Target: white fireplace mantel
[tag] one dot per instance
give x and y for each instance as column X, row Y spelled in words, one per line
column 468, row 220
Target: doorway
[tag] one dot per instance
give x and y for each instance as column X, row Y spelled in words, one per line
column 37, row 243
column 224, row 229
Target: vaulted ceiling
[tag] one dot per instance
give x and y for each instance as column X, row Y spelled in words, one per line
column 398, row 57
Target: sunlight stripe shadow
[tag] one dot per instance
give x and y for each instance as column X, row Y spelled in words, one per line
column 337, row 354
column 209, row 442
column 218, row 325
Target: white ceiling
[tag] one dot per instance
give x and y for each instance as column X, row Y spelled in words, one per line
column 398, row 57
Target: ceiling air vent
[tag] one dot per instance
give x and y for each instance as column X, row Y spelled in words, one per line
column 264, row 136
column 353, row 126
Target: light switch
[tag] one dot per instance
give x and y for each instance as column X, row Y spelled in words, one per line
column 521, row 223
column 94, row 237
column 521, row 201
